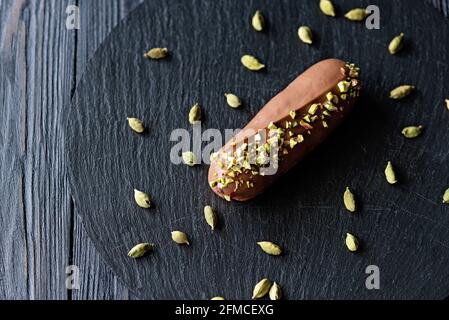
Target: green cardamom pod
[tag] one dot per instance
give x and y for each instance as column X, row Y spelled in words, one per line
column 189, row 158
column 232, row 100
column 270, row 248
column 142, row 199
column 195, row 114
column 349, row 200
column 258, row 21
column 275, row 292
column 390, row 174
column 136, row 125
column 357, row 14
column 447, row 104
column 211, row 216
column 401, row 91
column 140, row 250
column 180, row 237
column 446, row 196
column 156, row 53
column 261, row 288
column 396, row 44
column 352, row 243
column 305, row 34
column 252, row 63
column 412, row 131
column 327, row 8
column 217, row 298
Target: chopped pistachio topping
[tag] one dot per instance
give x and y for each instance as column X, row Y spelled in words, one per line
column 343, row 86
column 272, row 126
column 293, row 143
column 227, row 198
column 314, row 108
column 325, row 125
column 292, row 114
column 305, row 125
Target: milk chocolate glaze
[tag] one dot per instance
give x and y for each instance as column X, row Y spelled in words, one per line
column 285, row 130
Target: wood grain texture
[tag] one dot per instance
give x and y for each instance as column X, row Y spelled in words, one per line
column 407, row 239
column 37, row 69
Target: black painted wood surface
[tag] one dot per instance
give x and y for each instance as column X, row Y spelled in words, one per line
column 403, row 228
column 40, row 63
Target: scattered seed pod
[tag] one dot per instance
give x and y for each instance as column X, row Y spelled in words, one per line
column 305, row 34
column 232, row 100
column 189, row 158
column 136, row 125
column 142, row 199
column 327, row 8
column 258, row 21
column 401, row 91
column 270, row 248
column 390, row 174
column 358, row 14
column 211, row 216
column 412, row 131
column 261, row 288
column 349, row 200
column 251, row 63
column 351, row 242
column 217, row 298
column 275, row 292
column 180, row 237
column 447, row 104
column 446, row 196
column 140, row 250
column 195, row 114
column 156, row 53
column 396, row 44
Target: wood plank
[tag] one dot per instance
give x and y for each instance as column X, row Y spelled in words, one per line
column 37, row 54
column 97, row 280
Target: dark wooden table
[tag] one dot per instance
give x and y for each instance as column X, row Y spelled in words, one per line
column 41, row 62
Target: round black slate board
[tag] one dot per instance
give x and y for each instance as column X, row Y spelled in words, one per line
column 404, row 229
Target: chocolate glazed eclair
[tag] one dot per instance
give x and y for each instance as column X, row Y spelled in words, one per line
column 285, row 130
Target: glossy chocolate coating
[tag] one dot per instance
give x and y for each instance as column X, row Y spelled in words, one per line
column 311, row 87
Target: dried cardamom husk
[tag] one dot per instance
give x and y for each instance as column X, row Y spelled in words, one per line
column 136, row 125
column 140, row 250
column 351, row 242
column 390, row 174
column 401, row 91
column 179, row 237
column 156, row 53
column 217, row 298
column 195, row 114
column 189, row 158
column 258, row 21
column 349, row 200
column 327, row 8
column 396, row 44
column 275, row 292
column 270, row 248
column 305, row 34
column 412, row 131
column 211, row 216
column 142, row 199
column 252, row 63
column 357, row 14
column 232, row 100
column 446, row 196
column 261, row 288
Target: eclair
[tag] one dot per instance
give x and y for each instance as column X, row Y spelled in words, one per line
column 285, row 130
